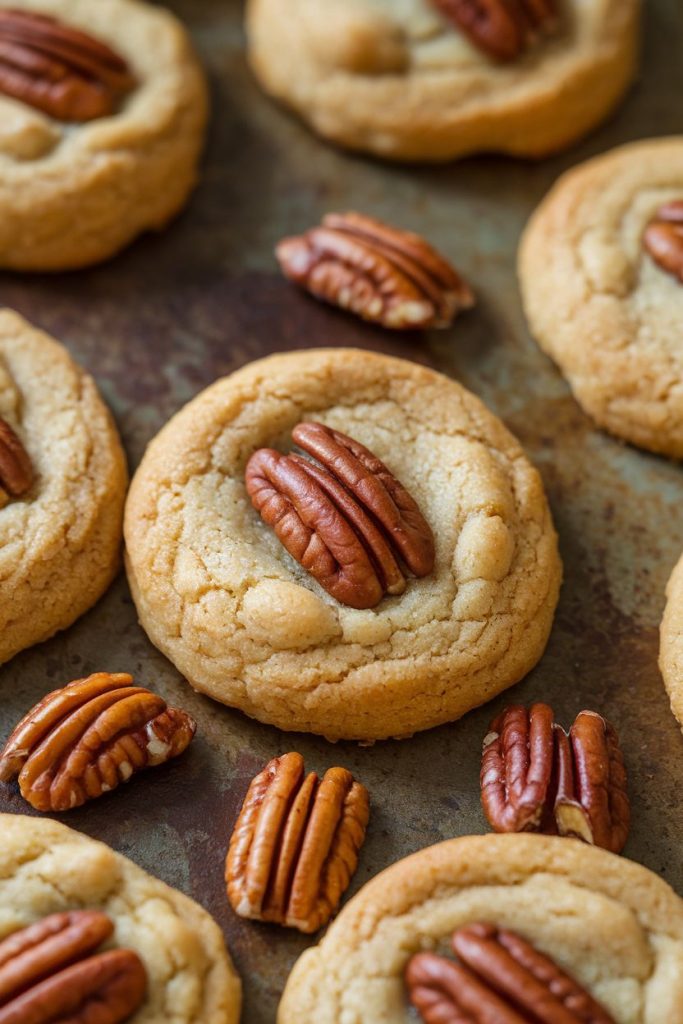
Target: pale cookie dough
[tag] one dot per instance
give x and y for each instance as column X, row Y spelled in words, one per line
column 396, row 78
column 598, row 303
column 219, row 595
column 671, row 642
column 74, row 194
column 47, row 868
column 60, row 543
column 614, row 925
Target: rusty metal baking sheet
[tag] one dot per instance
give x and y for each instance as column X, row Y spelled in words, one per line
column 175, row 311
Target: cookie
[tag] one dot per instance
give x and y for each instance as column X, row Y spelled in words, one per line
column 60, row 539
column 671, row 642
column 46, row 868
column 218, row 593
column 597, row 300
column 73, row 191
column 613, row 925
column 404, row 82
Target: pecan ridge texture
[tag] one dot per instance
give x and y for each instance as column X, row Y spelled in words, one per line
column 390, row 277
column 663, row 238
column 503, row 29
column 537, row 778
column 294, row 848
column 58, row 69
column 85, row 739
column 500, row 978
column 342, row 515
column 50, row 972
column 16, row 468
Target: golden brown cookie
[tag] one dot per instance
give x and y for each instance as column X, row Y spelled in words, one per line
column 671, row 642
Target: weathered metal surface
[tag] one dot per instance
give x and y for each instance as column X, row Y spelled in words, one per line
column 164, row 319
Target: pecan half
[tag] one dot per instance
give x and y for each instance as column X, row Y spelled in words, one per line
column 503, row 29
column 501, row 978
column 16, row 469
column 663, row 238
column 58, row 69
column 345, row 518
column 85, row 739
column 295, row 845
column 48, row 973
column 390, row 277
column 536, row 778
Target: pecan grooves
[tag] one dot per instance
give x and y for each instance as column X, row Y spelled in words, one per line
column 295, row 845
column 85, row 739
column 390, row 277
column 58, row 69
column 503, row 29
column 663, row 238
column 16, row 468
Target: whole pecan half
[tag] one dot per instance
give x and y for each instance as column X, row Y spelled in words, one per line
column 536, row 778
column 390, row 277
column 503, row 29
column 58, row 69
column 345, row 517
column 295, row 845
column 663, row 238
column 48, row 973
column 85, row 739
column 16, row 469
column 502, row 978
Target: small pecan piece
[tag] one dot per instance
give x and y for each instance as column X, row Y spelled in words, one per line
column 345, row 518
column 85, row 739
column 58, row 69
column 16, row 469
column 390, row 277
column 663, row 238
column 503, row 29
column 295, row 845
column 48, row 973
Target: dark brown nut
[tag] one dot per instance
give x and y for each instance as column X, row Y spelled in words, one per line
column 85, row 739
column 390, row 277
column 345, row 518
column 503, row 29
column 663, row 238
column 295, row 845
column 16, row 469
column 58, row 69
column 47, row 973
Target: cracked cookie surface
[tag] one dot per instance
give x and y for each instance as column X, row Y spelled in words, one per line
column 74, row 194
column 59, row 543
column 612, row 924
column 46, row 867
column 396, row 78
column 597, row 302
column 220, row 596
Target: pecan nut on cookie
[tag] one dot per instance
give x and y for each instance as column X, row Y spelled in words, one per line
column 102, row 114
column 325, row 608
column 438, row 79
column 62, row 474
column 88, row 936
column 545, row 930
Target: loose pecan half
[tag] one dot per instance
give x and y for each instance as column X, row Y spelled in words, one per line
column 16, row 469
column 345, row 518
column 503, row 29
column 390, row 277
column 58, row 69
column 663, row 238
column 536, row 778
column 48, row 973
column 295, row 845
column 501, row 978
column 83, row 740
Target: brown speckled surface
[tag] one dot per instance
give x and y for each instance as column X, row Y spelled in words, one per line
column 164, row 319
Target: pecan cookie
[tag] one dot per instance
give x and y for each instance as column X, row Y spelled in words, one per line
column 270, row 629
column 671, row 642
column 601, row 267
column 48, row 869
column 612, row 925
column 438, row 79
column 62, row 475
column 102, row 115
